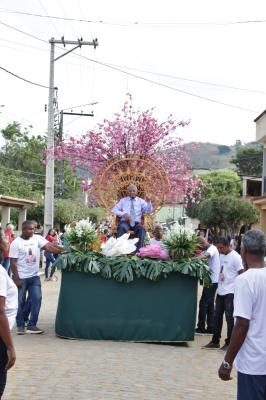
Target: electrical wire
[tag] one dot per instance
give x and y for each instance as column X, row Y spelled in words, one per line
column 16, row 179
column 66, row 18
column 23, row 79
column 142, row 24
column 189, row 80
column 23, row 172
column 24, row 33
column 145, row 79
column 169, row 87
column 81, row 105
column 136, row 69
column 50, row 19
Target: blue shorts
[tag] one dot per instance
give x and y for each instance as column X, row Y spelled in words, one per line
column 251, row 387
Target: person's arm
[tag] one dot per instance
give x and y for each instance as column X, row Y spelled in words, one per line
column 14, row 269
column 146, row 206
column 5, row 335
column 203, row 256
column 53, row 248
column 239, row 264
column 4, row 245
column 237, row 339
column 118, row 209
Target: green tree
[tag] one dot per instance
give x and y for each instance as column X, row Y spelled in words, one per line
column 216, row 183
column 66, row 211
column 248, row 161
column 22, row 157
column 226, row 214
column 223, row 149
column 219, row 183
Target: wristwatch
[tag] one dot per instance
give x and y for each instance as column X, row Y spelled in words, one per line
column 226, row 365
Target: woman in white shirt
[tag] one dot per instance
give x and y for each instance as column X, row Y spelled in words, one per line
column 8, row 312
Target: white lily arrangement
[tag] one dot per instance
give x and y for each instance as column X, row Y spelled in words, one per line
column 119, row 247
column 180, row 241
column 82, row 234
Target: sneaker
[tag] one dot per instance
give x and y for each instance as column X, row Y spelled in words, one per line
column 33, row 329
column 54, row 278
column 211, row 346
column 200, row 332
column 21, row 330
column 225, row 347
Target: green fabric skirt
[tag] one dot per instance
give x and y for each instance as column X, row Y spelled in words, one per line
column 91, row 307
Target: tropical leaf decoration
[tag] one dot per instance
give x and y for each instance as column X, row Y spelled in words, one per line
column 127, row 269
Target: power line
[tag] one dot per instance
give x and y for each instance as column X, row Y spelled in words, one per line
column 23, row 172
column 66, row 18
column 189, row 80
column 167, row 86
column 144, row 79
column 51, row 21
column 23, row 79
column 116, row 67
column 139, row 23
column 81, row 105
column 16, row 179
column 150, row 72
column 24, row 33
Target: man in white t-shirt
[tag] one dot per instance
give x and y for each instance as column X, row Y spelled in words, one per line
column 231, row 267
column 206, row 304
column 25, row 259
column 248, row 342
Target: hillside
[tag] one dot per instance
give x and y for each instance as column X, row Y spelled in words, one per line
column 213, row 156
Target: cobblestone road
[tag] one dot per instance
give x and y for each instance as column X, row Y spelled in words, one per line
column 51, row 368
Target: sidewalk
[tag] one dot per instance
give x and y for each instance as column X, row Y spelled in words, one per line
column 59, row 369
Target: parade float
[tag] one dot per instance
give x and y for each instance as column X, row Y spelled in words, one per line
column 110, row 293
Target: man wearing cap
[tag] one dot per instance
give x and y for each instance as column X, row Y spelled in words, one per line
column 130, row 209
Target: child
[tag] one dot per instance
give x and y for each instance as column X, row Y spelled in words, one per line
column 157, row 236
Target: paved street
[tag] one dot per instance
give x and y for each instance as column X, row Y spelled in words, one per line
column 51, row 368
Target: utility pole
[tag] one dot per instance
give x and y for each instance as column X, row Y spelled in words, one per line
column 49, row 180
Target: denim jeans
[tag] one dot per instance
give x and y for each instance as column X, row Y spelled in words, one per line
column 29, row 291
column 49, row 260
column 6, row 264
column 206, row 308
column 223, row 304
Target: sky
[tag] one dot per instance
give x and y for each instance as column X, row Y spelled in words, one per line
column 212, row 50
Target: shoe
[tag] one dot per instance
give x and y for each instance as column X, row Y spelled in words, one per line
column 21, row 330
column 209, row 331
column 200, row 332
column 53, row 278
column 225, row 347
column 211, row 346
column 47, row 279
column 34, row 329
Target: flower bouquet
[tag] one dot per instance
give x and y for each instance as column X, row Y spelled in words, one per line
column 83, row 236
column 180, row 241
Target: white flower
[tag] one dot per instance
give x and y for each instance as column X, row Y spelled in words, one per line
column 121, row 246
